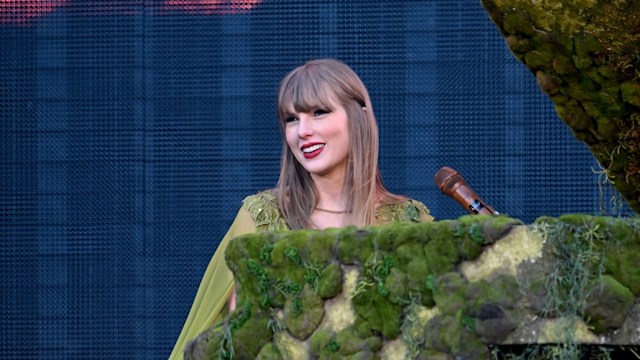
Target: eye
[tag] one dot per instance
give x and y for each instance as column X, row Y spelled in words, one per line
column 290, row 119
column 319, row 112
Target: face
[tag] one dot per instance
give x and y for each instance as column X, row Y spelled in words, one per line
column 319, row 140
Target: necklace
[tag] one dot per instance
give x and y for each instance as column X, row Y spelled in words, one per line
column 334, row 211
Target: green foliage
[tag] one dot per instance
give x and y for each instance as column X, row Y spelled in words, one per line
column 293, row 255
column 265, row 253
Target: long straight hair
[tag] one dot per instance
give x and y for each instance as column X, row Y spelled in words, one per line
column 311, row 86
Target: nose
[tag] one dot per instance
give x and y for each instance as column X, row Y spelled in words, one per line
column 305, row 127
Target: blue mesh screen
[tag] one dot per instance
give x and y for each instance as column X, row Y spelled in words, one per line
column 132, row 130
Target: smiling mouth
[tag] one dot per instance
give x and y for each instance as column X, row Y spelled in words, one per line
column 312, row 148
column 312, row 151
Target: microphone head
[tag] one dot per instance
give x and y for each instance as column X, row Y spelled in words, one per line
column 448, row 180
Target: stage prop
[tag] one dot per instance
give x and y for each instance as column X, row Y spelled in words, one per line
column 585, row 55
column 441, row 290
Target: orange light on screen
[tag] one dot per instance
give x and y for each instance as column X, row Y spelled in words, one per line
column 22, row 12
column 209, row 7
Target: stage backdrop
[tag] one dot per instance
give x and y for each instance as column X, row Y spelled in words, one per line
column 132, row 130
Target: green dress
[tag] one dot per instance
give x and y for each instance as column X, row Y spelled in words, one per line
column 259, row 213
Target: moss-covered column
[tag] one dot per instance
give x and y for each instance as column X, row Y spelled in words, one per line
column 447, row 289
column 585, row 55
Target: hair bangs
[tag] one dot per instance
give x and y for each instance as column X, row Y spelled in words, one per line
column 305, row 91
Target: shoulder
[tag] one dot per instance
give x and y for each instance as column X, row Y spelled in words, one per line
column 263, row 209
column 409, row 210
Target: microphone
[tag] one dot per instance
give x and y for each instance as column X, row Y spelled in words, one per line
column 451, row 183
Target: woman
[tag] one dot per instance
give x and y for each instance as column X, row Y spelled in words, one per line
column 329, row 177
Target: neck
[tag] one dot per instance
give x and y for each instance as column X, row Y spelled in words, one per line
column 331, row 193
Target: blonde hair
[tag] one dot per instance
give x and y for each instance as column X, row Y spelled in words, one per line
column 313, row 85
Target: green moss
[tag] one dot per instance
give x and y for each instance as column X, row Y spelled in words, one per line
column 608, row 73
column 466, row 345
column 396, row 284
column 288, row 275
column 240, row 316
column 265, row 253
column 319, row 341
column 630, row 91
column 505, row 291
column 293, row 254
column 607, row 128
column 574, row 115
column 586, row 45
column 585, row 89
column 625, row 232
column 422, row 269
column 407, row 252
column 330, row 281
column 563, row 64
column 356, row 246
column 219, row 343
column 269, row 352
column 518, row 23
column 439, row 330
column 537, row 59
column 441, row 253
column 303, row 313
column 320, row 249
column 571, row 219
column 428, row 354
column 610, row 102
column 363, row 328
column 382, row 315
column 469, row 249
column 349, row 342
column 594, row 49
column 417, row 274
column 450, row 292
column 249, row 339
column 496, row 227
column 333, row 346
column 582, row 62
column 608, row 304
column 395, row 234
column 373, row 343
column 470, row 237
column 518, row 44
column 621, row 262
column 255, row 286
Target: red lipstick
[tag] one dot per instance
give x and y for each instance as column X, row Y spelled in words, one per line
column 312, row 150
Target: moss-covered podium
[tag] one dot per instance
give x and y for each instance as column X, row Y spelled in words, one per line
column 444, row 290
